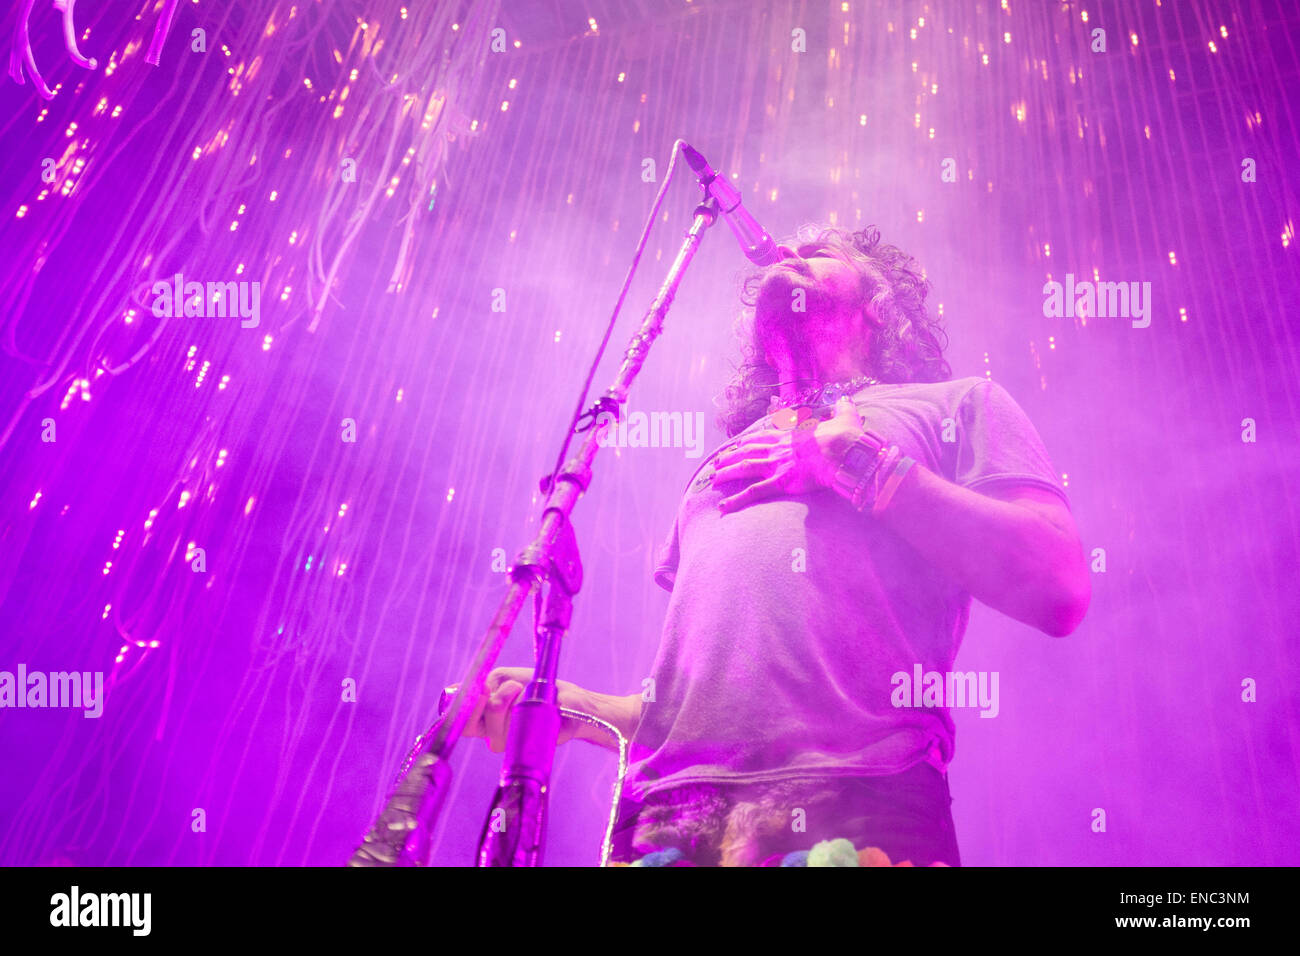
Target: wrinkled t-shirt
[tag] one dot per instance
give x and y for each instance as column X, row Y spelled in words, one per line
column 789, row 617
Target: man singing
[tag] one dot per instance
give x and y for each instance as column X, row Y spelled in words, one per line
column 829, row 547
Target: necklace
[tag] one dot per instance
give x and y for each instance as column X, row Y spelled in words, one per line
column 823, row 394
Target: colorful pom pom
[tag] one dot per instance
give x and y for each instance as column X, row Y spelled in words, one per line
column 666, row 857
column 873, row 856
column 833, row 853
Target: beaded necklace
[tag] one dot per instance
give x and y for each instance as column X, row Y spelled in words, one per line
column 822, row 394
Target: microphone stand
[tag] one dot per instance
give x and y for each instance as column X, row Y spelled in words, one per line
column 513, row 834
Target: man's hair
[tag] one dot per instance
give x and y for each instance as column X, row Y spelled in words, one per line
column 906, row 343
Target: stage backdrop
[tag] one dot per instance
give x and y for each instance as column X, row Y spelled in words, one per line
column 278, row 533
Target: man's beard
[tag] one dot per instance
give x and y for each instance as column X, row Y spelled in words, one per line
column 775, row 315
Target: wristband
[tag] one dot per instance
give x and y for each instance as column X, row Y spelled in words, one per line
column 858, row 464
column 866, row 499
column 866, row 466
column 895, row 479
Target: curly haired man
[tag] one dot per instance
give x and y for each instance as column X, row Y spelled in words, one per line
column 821, row 569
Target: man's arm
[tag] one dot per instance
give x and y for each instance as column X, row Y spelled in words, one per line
column 623, row 712
column 1015, row 548
column 504, row 686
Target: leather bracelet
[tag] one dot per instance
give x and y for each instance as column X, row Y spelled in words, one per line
column 858, row 463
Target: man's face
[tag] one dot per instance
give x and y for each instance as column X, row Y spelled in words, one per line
column 809, row 308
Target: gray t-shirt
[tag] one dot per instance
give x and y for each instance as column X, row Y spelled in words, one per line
column 788, row 617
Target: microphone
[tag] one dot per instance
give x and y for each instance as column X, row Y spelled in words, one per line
column 755, row 243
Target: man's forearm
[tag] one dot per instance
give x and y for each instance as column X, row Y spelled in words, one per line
column 623, row 712
column 1008, row 557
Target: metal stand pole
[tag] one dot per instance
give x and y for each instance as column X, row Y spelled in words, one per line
column 401, row 836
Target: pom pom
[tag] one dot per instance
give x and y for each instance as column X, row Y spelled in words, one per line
column 873, row 856
column 797, row 858
column 833, row 853
column 660, row 858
